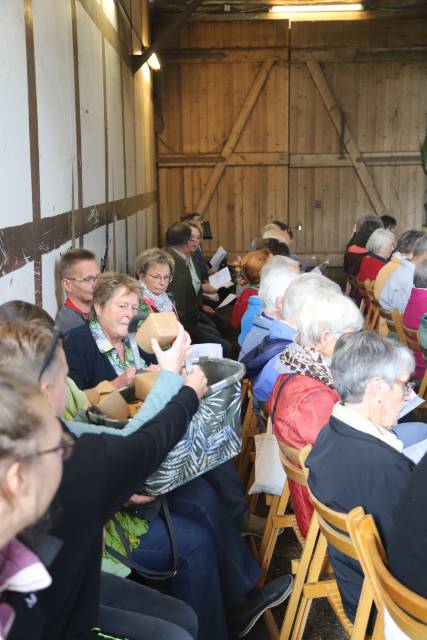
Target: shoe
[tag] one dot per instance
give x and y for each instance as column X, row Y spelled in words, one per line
column 253, row 525
column 242, row 619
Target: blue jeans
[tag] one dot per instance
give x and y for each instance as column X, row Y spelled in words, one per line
column 215, row 568
column 130, row 610
column 411, row 432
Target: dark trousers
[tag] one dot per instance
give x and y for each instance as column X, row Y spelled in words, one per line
column 215, row 567
column 206, row 331
column 135, row 612
column 228, row 486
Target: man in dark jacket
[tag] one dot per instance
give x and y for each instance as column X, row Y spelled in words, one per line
column 186, row 288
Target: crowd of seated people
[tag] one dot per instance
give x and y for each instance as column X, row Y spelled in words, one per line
column 323, row 380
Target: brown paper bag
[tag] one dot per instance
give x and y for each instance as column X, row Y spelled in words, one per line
column 144, row 382
column 163, row 326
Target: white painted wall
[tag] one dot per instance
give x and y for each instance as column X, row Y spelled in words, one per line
column 15, row 169
column 127, row 137
column 18, row 285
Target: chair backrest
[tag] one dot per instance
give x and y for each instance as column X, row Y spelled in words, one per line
column 412, row 339
column 293, row 461
column 397, row 320
column 408, row 609
column 333, row 525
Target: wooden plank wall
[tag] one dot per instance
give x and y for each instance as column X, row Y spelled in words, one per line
column 295, row 160
column 77, row 161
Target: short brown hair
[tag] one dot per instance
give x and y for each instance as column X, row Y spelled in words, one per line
column 21, row 310
column 70, row 258
column 107, row 284
column 151, row 257
column 249, row 267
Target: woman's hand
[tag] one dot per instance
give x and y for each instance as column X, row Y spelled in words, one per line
column 208, row 288
column 208, row 310
column 125, row 378
column 138, row 499
column 197, row 381
column 172, row 359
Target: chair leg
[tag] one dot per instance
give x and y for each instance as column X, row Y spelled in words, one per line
column 364, row 607
column 313, row 576
column 277, row 508
column 304, row 564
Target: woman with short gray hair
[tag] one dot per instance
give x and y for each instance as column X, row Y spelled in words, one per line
column 357, row 460
column 304, row 393
column 380, row 247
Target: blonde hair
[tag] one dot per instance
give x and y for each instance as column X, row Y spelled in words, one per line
column 25, row 345
column 151, row 257
column 107, row 284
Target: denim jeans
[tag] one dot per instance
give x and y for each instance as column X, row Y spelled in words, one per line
column 410, row 432
column 215, row 568
column 135, row 612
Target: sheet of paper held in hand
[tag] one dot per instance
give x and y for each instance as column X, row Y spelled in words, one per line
column 227, row 300
column 412, row 403
column 207, row 350
column 221, row 278
column 218, row 258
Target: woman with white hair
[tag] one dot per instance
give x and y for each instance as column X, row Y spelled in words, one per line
column 276, row 275
column 357, row 460
column 284, row 328
column 303, row 398
column 380, row 247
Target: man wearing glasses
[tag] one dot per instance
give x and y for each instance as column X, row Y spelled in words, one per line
column 78, row 271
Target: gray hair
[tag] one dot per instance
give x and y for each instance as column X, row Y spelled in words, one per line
column 407, row 240
column 326, row 311
column 420, row 275
column 378, row 240
column 421, row 245
column 359, row 357
column 298, row 291
column 276, row 276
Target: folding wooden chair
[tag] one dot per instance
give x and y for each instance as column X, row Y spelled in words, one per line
column 413, row 342
column 333, row 531
column 249, row 429
column 406, row 608
column 357, row 289
column 372, row 314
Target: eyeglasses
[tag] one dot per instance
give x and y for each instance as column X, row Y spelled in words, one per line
column 126, row 307
column 65, row 446
column 158, row 278
column 87, row 280
column 407, row 387
column 49, row 356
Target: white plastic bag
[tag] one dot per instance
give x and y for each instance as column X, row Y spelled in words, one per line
column 270, row 476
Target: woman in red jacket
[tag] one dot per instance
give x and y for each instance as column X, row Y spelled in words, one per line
column 304, row 394
column 380, row 247
column 249, row 270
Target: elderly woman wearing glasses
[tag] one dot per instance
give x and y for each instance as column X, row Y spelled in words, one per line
column 100, row 350
column 154, row 269
column 32, row 448
column 357, row 460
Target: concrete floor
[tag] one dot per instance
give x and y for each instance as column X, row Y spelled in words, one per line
column 321, row 624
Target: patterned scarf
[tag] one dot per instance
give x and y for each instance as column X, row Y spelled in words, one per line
column 307, row 362
column 161, row 301
column 105, row 347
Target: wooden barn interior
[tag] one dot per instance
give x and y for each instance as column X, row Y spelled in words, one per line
column 314, row 119
column 120, row 116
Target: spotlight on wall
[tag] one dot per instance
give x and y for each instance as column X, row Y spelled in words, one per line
column 315, row 8
column 154, row 62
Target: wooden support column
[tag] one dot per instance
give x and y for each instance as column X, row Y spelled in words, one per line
column 234, row 135
column 353, row 150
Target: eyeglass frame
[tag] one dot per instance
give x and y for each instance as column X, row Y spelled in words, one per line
column 158, row 278
column 66, row 445
column 406, row 386
column 86, row 280
column 56, row 337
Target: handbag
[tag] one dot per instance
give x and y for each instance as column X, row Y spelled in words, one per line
column 144, row 572
column 270, row 476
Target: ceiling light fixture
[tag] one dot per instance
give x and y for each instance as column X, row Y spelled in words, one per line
column 315, row 8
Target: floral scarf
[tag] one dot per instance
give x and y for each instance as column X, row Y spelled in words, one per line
column 161, row 301
column 307, row 362
column 106, row 347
